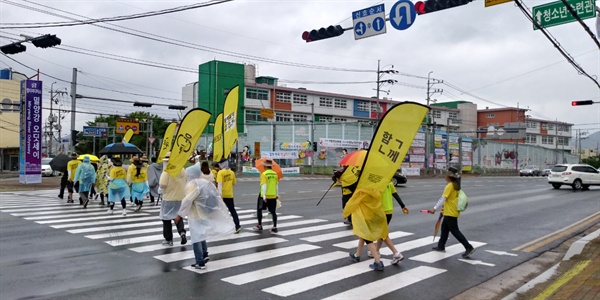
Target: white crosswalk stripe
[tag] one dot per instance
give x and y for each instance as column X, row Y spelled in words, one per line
column 295, row 241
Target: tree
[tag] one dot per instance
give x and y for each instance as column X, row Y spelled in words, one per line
column 593, row 161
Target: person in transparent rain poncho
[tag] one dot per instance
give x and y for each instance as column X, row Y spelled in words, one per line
column 85, row 174
column 208, row 217
column 173, row 191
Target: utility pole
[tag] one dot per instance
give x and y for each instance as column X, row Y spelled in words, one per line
column 378, row 86
column 73, row 106
column 312, row 133
column 380, row 82
column 429, row 124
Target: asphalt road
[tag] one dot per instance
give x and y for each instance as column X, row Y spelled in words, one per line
column 51, row 250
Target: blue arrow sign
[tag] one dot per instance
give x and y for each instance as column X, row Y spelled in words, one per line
column 360, row 28
column 379, row 24
column 403, row 14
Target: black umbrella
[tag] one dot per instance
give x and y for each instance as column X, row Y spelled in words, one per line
column 121, row 148
column 59, row 163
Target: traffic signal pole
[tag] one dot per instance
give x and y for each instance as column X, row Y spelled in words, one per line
column 73, row 106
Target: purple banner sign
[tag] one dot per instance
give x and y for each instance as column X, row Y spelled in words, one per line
column 30, row 152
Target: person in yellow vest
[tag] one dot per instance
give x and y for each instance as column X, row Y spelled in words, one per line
column 269, row 191
column 225, row 182
column 71, row 169
column 118, row 190
column 449, row 200
column 348, row 178
column 137, row 178
column 173, row 191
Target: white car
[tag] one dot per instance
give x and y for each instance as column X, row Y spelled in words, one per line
column 46, row 169
column 578, row 176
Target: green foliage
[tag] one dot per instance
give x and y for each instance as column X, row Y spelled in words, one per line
column 593, row 161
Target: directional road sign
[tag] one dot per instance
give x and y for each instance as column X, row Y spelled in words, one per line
column 403, row 14
column 95, row 131
column 369, row 21
column 556, row 13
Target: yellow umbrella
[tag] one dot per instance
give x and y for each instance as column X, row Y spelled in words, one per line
column 93, row 158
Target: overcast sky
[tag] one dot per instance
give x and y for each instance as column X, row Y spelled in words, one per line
column 493, row 53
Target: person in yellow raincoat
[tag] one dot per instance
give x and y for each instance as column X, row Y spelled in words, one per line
column 102, row 178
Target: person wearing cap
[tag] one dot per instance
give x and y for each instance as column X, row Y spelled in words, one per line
column 154, row 171
column 449, row 202
column 137, row 177
column 71, row 169
column 225, row 182
column 269, row 192
column 85, row 174
column 118, row 190
column 173, row 191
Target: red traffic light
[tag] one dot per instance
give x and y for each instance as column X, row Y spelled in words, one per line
column 322, row 33
column 420, row 7
column 306, row 36
column 582, row 102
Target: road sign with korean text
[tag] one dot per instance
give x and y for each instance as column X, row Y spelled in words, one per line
column 556, row 13
column 369, row 21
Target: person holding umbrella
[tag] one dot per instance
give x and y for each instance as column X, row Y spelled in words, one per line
column 71, row 169
column 85, row 174
column 449, row 201
column 118, row 190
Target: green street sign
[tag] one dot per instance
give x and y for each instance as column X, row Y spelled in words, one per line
column 556, row 13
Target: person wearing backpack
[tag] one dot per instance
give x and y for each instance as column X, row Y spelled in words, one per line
column 449, row 201
column 85, row 174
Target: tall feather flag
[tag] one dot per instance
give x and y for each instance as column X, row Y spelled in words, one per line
column 218, row 139
column 128, row 135
column 167, row 141
column 230, row 133
column 389, row 145
column 190, row 130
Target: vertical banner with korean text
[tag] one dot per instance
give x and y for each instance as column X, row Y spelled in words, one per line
column 389, row 145
column 30, row 148
column 230, row 133
column 167, row 141
column 218, row 139
column 184, row 144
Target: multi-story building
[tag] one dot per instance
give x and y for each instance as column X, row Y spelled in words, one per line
column 456, row 116
column 10, row 91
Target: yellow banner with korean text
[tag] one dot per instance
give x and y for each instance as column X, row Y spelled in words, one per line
column 389, row 146
column 218, row 139
column 230, row 133
column 167, row 141
column 184, row 144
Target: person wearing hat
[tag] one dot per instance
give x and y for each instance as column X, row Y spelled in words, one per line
column 225, row 182
column 269, row 192
column 118, row 190
column 86, row 176
column 71, row 169
column 137, row 178
column 173, row 191
column 449, row 201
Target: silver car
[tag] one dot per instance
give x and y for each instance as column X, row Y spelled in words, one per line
column 529, row 171
column 46, row 169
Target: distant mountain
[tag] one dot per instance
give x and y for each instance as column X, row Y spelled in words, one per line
column 591, row 141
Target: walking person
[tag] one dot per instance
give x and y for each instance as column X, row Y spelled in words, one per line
column 64, row 182
column 269, row 192
column 85, row 174
column 173, row 191
column 71, row 168
column 154, row 171
column 137, row 177
column 102, row 178
column 348, row 178
column 206, row 173
column 449, row 202
column 225, row 182
column 215, row 171
column 118, row 190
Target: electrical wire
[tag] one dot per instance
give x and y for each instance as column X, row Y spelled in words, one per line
column 585, row 27
column 109, row 19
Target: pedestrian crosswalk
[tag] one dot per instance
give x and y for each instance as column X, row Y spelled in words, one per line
column 296, row 255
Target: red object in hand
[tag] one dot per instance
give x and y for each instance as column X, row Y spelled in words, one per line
column 424, row 211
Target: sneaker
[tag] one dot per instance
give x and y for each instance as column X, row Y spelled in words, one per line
column 85, row 203
column 257, row 227
column 206, row 258
column 354, row 257
column 468, row 253
column 167, row 243
column 109, row 211
column 138, row 208
column 124, row 213
column 199, row 266
column 274, row 230
column 183, row 238
column 398, row 257
column 438, row 249
column 238, row 230
column 377, row 266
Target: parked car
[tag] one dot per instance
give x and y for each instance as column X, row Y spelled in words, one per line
column 547, row 170
column 399, row 178
column 46, row 169
column 530, row 171
column 578, row 176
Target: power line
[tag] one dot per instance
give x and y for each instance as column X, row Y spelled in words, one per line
column 109, row 19
column 585, row 27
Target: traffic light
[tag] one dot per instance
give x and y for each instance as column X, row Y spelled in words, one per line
column 582, row 102
column 46, row 41
column 430, row 6
column 323, row 33
column 74, row 134
column 314, row 146
column 142, row 104
column 13, row 48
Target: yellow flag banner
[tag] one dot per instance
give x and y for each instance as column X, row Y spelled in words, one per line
column 389, row 146
column 184, row 144
column 128, row 135
column 230, row 133
column 218, row 139
column 167, row 142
